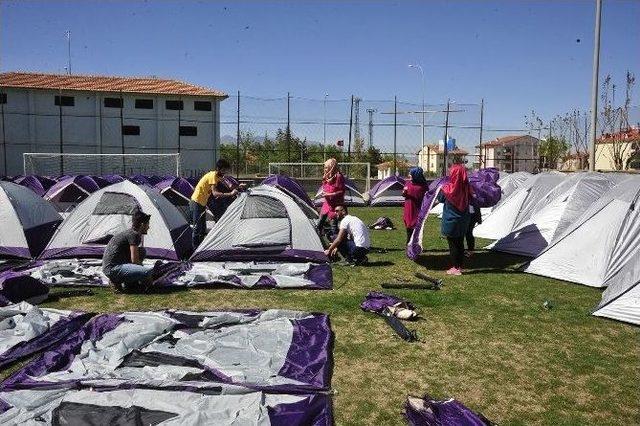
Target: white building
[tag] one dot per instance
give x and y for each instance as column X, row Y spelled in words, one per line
column 511, row 153
column 99, row 114
column 431, row 157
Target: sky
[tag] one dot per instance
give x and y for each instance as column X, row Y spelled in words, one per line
column 516, row 55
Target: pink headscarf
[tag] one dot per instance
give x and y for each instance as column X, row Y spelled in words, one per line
column 458, row 190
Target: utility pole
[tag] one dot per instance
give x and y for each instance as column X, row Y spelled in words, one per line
column 238, row 143
column 395, row 134
column 482, row 161
column 288, row 135
column 446, row 136
column 371, row 111
column 68, row 35
column 594, row 88
column 350, row 131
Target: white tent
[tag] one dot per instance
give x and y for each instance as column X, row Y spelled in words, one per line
column 26, row 221
column 263, row 223
column 602, row 247
column 554, row 213
column 88, row 228
column 518, row 207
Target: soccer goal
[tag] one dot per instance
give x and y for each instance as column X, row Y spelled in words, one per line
column 56, row 164
column 354, row 171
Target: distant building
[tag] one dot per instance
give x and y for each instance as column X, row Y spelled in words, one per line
column 431, row 157
column 625, row 145
column 509, row 154
column 575, row 162
column 100, row 114
column 386, row 169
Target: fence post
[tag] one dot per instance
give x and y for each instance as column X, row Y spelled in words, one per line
column 238, row 140
column 124, row 164
column 482, row 161
column 61, row 137
column 446, row 136
column 288, row 135
column 4, row 142
column 395, row 134
column 350, row 131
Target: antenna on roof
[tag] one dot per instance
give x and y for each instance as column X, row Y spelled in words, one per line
column 68, row 35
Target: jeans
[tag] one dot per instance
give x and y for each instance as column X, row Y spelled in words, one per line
column 456, row 250
column 198, row 223
column 350, row 251
column 129, row 273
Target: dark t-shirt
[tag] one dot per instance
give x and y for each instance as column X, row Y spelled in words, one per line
column 117, row 252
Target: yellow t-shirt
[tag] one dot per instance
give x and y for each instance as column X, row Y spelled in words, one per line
column 202, row 190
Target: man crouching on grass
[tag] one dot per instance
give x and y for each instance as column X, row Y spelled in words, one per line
column 352, row 241
column 123, row 256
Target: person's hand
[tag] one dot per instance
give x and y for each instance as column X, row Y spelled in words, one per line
column 234, row 193
column 334, row 251
column 327, row 252
column 242, row 186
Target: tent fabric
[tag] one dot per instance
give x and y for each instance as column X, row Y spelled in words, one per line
column 486, row 192
column 71, row 189
column 85, row 230
column 352, row 196
column 387, row 192
column 18, row 286
column 38, row 184
column 218, row 367
column 27, row 222
column 602, row 247
column 26, row 329
column 519, row 206
column 427, row 411
column 554, row 213
column 177, row 190
column 289, row 185
column 254, row 229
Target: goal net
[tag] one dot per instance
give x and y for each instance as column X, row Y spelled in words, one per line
column 56, row 164
column 359, row 172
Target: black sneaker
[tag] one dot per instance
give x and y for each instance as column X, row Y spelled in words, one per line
column 362, row 261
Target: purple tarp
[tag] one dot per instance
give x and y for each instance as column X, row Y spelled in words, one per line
column 486, row 191
column 427, row 411
column 376, row 301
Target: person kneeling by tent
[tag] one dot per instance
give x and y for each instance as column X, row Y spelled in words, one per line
column 205, row 189
column 123, row 256
column 352, row 241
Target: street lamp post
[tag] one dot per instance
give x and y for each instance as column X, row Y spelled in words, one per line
column 419, row 68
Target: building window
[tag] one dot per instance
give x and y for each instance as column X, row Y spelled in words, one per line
column 188, row 131
column 65, row 100
column 131, row 130
column 175, row 105
column 113, row 102
column 144, row 103
column 3, row 98
column 202, row 106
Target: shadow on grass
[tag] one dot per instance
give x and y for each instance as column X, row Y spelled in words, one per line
column 481, row 262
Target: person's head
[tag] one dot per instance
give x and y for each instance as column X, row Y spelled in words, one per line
column 222, row 166
column 417, row 176
column 140, row 221
column 458, row 172
column 341, row 211
column 330, row 166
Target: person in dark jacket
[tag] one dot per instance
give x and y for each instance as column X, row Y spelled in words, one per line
column 456, row 197
column 476, row 219
column 413, row 193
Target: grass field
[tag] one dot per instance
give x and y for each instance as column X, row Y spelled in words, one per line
column 485, row 338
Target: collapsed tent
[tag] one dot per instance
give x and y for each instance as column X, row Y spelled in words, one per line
column 71, row 190
column 554, row 214
column 38, row 184
column 27, row 222
column 602, row 247
column 486, row 192
column 352, row 196
column 263, row 223
column 185, row 367
column 26, row 329
column 90, row 226
column 428, row 411
column 518, row 207
column 290, row 185
column 387, row 192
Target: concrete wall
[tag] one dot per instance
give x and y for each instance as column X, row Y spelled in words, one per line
column 32, row 123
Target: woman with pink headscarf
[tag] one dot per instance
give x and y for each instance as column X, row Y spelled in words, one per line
column 456, row 196
column 333, row 192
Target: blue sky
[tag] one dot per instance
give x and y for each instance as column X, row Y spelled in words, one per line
column 517, row 55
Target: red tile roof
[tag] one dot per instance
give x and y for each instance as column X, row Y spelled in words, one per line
column 632, row 134
column 92, row 83
column 505, row 140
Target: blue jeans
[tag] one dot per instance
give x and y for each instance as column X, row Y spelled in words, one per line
column 129, row 273
column 350, row 251
column 198, row 223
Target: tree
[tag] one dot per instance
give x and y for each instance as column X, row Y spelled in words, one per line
column 614, row 120
column 552, row 150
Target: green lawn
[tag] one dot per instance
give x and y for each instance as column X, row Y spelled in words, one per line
column 485, row 338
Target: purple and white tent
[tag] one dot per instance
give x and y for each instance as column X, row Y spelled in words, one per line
column 27, row 222
column 352, row 196
column 88, row 228
column 387, row 192
column 38, row 184
column 177, row 190
column 71, row 190
column 290, row 185
column 485, row 188
column 258, row 367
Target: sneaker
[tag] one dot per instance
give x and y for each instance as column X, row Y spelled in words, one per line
column 454, row 271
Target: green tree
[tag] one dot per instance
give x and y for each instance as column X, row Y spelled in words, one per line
column 552, row 150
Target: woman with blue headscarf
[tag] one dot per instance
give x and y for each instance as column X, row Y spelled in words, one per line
column 413, row 193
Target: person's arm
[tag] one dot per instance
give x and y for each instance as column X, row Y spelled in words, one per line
column 342, row 234
column 135, row 254
column 217, row 194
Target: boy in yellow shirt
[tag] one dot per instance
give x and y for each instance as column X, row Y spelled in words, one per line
column 205, row 189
